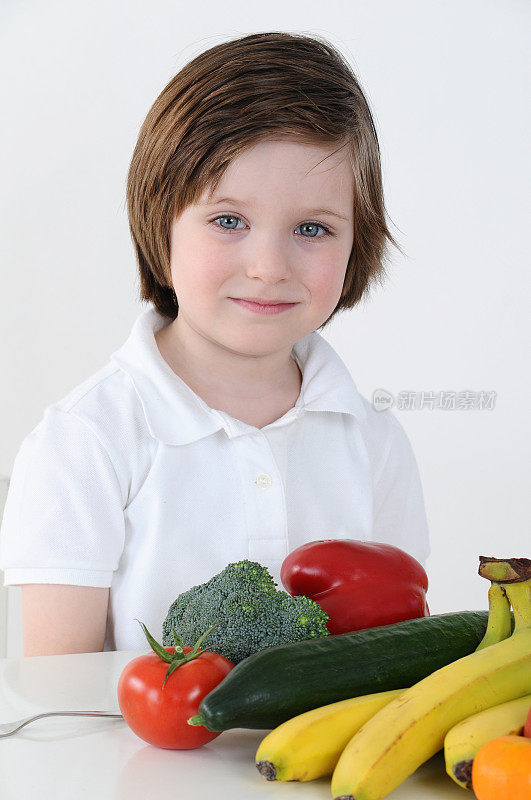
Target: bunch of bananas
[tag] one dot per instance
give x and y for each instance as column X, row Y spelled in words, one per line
column 371, row 744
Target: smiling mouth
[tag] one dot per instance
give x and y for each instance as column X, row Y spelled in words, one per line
column 261, row 302
column 261, row 308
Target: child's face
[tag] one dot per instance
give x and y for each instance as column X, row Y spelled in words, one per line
column 269, row 241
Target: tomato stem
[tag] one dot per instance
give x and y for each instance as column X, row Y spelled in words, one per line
column 180, row 657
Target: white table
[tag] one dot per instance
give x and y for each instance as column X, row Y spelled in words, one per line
column 91, row 758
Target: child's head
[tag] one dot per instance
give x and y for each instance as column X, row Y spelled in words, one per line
column 279, row 123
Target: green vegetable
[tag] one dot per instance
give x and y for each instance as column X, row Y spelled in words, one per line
column 251, row 614
column 277, row 684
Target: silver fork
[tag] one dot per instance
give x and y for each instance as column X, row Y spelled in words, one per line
column 8, row 728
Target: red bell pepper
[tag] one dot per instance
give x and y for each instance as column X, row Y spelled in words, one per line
column 358, row 584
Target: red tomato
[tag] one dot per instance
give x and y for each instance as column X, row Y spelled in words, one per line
column 159, row 716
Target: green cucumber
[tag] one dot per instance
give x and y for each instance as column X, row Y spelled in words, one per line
column 278, row 683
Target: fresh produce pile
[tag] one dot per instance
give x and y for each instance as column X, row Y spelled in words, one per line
column 367, row 705
column 248, row 610
column 279, row 683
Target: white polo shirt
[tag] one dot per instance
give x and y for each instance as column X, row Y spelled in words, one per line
column 133, row 482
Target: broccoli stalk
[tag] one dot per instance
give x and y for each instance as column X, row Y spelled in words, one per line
column 249, row 612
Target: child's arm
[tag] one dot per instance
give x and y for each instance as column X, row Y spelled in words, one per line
column 62, row 535
column 59, row 619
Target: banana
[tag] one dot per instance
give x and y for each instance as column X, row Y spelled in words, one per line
column 463, row 741
column 499, row 621
column 411, row 728
column 308, row 746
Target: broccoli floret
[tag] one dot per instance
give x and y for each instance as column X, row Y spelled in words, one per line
column 249, row 612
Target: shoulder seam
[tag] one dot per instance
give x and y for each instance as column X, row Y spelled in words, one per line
column 90, row 388
column 89, row 427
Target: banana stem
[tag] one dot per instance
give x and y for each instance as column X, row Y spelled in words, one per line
column 513, row 575
column 505, row 570
column 519, row 595
column 499, row 620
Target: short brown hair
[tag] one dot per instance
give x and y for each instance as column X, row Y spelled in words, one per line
column 226, row 100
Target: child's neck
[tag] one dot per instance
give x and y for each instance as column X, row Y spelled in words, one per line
column 254, row 389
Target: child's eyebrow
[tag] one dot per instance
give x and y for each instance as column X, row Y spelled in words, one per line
column 217, row 200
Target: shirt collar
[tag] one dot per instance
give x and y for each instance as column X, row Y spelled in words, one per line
column 177, row 415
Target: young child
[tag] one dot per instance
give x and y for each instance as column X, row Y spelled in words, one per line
column 226, row 427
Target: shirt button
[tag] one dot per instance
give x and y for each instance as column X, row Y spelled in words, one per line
column 264, row 480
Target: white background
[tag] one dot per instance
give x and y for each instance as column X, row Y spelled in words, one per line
column 446, row 83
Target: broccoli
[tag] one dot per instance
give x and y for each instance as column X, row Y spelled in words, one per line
column 250, row 614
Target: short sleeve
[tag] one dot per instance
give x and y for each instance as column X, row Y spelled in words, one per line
column 399, row 510
column 63, row 520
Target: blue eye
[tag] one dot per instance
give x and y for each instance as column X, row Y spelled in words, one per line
column 234, row 221
column 227, row 216
column 315, row 225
